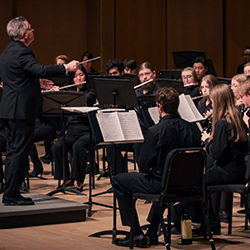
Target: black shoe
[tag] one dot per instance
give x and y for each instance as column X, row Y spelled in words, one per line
column 242, row 211
column 224, row 216
column 1, row 187
column 139, row 241
column 46, row 158
column 17, row 201
column 153, row 238
column 23, row 188
column 174, row 230
column 36, row 172
column 69, row 184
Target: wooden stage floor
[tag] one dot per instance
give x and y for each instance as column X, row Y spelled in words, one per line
column 75, row 235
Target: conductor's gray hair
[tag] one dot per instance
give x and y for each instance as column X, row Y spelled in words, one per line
column 16, row 27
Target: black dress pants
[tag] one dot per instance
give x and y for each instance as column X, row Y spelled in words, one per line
column 125, row 185
column 75, row 132
column 42, row 132
column 19, row 140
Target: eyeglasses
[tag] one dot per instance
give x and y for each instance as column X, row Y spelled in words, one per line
column 145, row 74
column 245, row 54
column 187, row 77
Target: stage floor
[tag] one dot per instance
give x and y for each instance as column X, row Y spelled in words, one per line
column 74, row 235
column 47, row 210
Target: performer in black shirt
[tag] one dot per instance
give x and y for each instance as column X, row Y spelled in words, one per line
column 170, row 133
column 77, row 138
column 226, row 146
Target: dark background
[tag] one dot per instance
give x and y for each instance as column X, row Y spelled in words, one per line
column 146, row 30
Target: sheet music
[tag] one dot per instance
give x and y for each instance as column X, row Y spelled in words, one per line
column 154, row 114
column 188, row 110
column 110, row 126
column 80, row 109
column 130, row 125
column 119, row 126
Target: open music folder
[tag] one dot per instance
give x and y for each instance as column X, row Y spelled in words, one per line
column 114, row 127
column 187, row 110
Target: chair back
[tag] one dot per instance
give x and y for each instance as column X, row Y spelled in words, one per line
column 184, row 171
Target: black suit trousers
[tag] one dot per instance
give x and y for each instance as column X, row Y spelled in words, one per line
column 125, row 185
column 19, row 140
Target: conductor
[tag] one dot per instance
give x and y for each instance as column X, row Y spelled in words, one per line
column 20, row 72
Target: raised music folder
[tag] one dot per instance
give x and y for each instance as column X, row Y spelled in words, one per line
column 112, row 127
column 187, row 110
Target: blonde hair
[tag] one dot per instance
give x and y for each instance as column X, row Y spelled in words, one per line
column 240, row 78
column 193, row 73
column 223, row 107
column 244, row 88
column 211, row 80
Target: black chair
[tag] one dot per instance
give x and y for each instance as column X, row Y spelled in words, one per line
column 242, row 189
column 183, row 179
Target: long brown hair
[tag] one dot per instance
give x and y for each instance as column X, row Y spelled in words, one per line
column 224, row 107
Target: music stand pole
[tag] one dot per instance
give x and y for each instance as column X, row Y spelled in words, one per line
column 119, row 93
column 54, row 101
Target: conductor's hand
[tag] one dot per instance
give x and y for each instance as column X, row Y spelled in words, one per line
column 73, row 65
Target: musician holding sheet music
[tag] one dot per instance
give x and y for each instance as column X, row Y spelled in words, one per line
column 20, row 72
column 170, row 133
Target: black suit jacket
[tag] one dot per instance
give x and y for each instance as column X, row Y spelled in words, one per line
column 20, row 72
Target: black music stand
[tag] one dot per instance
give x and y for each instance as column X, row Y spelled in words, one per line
column 110, row 91
column 185, row 58
column 116, row 91
column 170, row 73
column 176, row 84
column 52, row 103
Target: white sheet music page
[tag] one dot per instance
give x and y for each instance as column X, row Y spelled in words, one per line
column 110, row 126
column 188, row 110
column 153, row 111
column 84, row 109
column 130, row 126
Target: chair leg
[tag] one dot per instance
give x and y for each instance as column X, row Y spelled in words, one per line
column 204, row 208
column 134, row 160
column 230, row 215
column 247, row 211
column 131, row 242
column 167, row 238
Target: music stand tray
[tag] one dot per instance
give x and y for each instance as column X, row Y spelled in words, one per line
column 52, row 106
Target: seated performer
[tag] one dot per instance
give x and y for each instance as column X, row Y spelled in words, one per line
column 246, row 59
column 130, row 66
column 146, row 72
column 115, row 67
column 190, row 82
column 201, row 67
column 88, row 65
column 77, row 138
column 205, row 104
column 226, row 145
column 45, row 129
column 170, row 133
